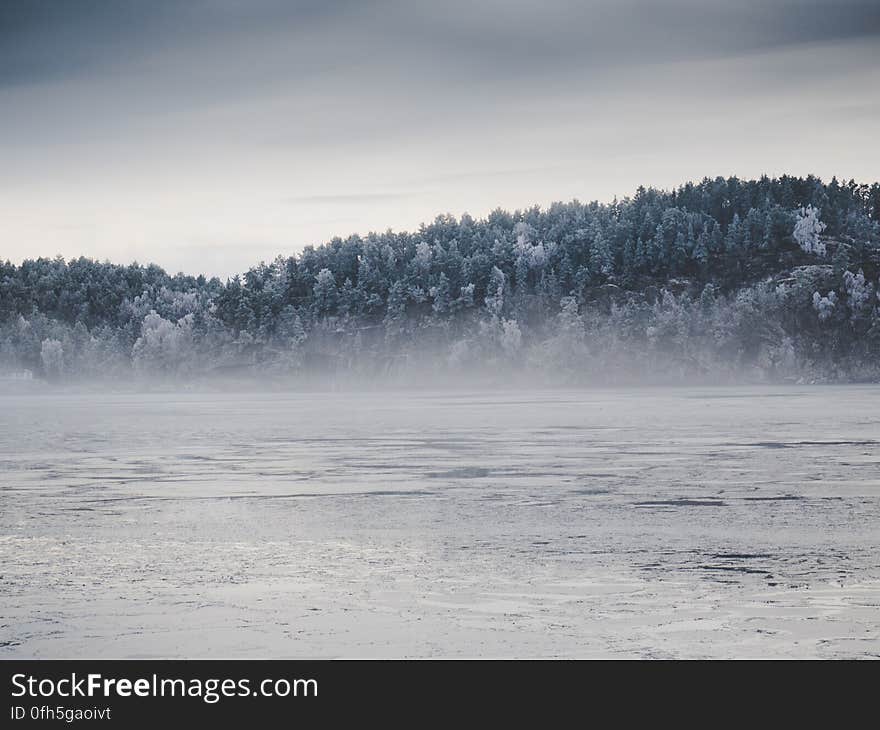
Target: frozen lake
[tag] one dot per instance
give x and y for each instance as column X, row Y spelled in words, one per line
column 642, row 523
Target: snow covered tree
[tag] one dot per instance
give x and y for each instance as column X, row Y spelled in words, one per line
column 325, row 292
column 859, row 295
column 807, row 229
column 601, row 257
column 164, row 347
column 495, row 292
column 52, row 358
column 824, row 305
column 441, row 296
column 422, row 259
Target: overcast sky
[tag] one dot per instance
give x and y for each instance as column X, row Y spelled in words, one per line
column 206, row 136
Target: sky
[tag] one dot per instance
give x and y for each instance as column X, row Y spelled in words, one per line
column 208, row 135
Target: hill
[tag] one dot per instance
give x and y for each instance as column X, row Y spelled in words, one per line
column 721, row 279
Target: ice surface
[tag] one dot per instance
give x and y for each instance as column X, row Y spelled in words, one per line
column 641, row 523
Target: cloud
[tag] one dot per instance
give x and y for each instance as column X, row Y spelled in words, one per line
column 51, row 39
column 348, row 198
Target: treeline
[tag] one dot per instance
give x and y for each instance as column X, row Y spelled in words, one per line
column 769, row 278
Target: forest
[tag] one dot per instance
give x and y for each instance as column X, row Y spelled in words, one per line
column 717, row 281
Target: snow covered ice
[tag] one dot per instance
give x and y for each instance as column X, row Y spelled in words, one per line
column 712, row 522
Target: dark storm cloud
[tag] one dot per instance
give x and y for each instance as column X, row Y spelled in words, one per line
column 47, row 39
column 55, row 39
column 501, row 38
